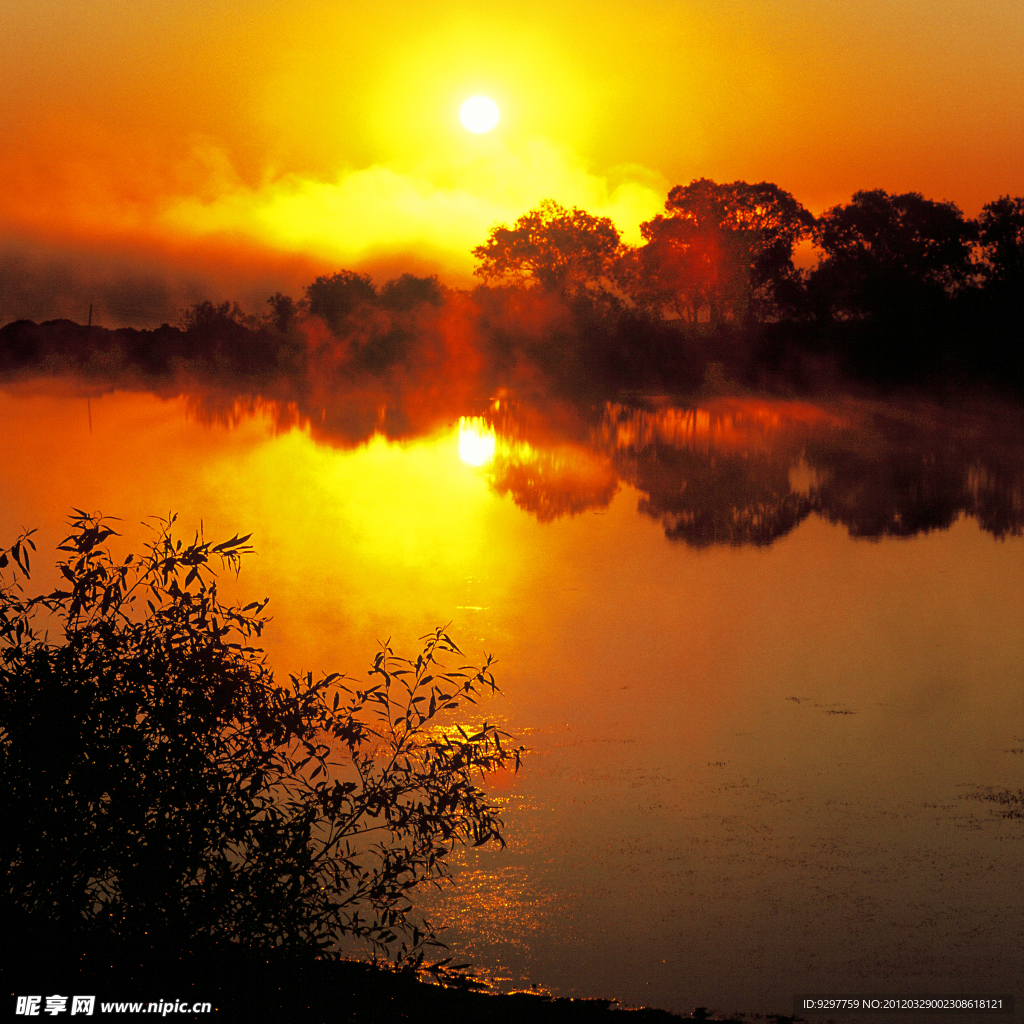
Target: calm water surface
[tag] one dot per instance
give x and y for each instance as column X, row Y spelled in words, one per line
column 767, row 657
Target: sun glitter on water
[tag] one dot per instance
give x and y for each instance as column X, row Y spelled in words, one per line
column 477, row 441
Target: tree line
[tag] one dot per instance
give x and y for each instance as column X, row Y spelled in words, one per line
column 906, row 290
column 724, row 253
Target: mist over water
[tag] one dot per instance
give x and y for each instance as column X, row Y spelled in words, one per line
column 765, row 654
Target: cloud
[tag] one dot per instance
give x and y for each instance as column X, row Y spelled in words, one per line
column 141, row 246
column 439, row 209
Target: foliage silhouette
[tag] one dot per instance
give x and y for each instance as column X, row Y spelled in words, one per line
column 284, row 310
column 907, row 293
column 1001, row 238
column 724, row 248
column 886, row 255
column 337, row 296
column 408, row 291
column 207, row 315
column 161, row 789
column 1001, row 311
column 567, row 252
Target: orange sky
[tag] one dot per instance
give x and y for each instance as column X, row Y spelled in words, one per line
column 155, row 153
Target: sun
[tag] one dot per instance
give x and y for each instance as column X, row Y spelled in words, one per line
column 479, row 114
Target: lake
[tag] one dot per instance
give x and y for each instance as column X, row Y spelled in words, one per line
column 767, row 656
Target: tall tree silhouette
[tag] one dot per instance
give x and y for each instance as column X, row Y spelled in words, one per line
column 724, row 248
column 890, row 257
column 567, row 252
column 1001, row 243
column 283, row 312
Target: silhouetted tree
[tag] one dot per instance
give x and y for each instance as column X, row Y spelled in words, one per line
column 890, row 257
column 207, row 315
column 159, row 789
column 675, row 269
column 568, row 252
column 283, row 312
column 995, row 348
column 335, row 297
column 408, row 291
column 726, row 248
column 223, row 338
column 1001, row 244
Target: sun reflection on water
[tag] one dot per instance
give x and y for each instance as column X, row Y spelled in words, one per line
column 477, row 440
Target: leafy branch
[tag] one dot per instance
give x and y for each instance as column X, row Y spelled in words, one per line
column 160, row 786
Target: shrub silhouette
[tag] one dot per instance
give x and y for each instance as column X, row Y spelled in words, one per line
column 160, row 789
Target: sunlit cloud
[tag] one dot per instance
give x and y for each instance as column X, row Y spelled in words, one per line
column 446, row 208
column 201, row 228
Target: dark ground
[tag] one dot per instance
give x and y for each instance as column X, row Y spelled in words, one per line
column 252, row 988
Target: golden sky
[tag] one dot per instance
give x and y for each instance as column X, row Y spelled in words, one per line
column 220, row 148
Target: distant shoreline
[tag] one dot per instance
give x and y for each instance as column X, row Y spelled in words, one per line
column 574, row 353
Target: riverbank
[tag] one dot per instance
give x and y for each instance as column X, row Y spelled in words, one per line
column 252, row 988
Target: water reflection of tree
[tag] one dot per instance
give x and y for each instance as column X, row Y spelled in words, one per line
column 703, row 498
column 888, row 477
column 721, row 474
column 714, row 475
column 997, row 498
column 894, row 477
column 549, row 487
column 901, row 495
column 339, row 417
